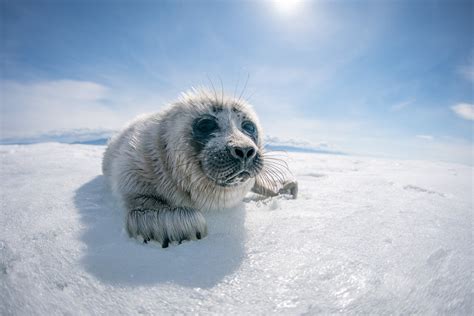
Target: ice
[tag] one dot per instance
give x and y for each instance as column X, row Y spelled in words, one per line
column 366, row 235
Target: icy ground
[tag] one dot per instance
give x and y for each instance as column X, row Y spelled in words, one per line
column 365, row 236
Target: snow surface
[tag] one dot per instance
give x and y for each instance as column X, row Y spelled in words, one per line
column 365, row 236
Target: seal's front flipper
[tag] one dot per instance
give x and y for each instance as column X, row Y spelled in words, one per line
column 153, row 219
column 289, row 187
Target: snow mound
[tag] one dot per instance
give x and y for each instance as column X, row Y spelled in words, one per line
column 366, row 236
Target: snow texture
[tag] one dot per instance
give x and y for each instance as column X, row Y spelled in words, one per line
column 366, row 236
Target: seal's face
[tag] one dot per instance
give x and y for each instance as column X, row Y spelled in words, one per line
column 226, row 143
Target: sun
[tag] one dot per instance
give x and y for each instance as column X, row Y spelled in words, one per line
column 288, row 7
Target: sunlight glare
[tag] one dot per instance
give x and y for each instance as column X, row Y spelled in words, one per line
column 287, row 7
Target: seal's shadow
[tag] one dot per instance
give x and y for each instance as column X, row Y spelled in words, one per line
column 114, row 258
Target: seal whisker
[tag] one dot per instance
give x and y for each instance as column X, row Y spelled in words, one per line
column 236, row 87
column 245, row 86
column 222, row 90
column 276, row 162
column 212, row 85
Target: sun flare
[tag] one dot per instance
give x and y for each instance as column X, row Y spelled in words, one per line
column 288, row 7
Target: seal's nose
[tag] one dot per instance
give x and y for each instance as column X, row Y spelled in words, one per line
column 243, row 154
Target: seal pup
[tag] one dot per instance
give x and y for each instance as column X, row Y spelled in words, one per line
column 202, row 152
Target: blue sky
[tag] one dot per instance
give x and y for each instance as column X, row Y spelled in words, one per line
column 384, row 78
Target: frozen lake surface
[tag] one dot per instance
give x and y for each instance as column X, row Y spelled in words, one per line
column 366, row 235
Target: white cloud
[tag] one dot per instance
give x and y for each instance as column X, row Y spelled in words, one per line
column 400, row 106
column 36, row 107
column 426, row 137
column 467, row 71
column 368, row 138
column 31, row 108
column 464, row 110
column 278, row 141
column 439, row 149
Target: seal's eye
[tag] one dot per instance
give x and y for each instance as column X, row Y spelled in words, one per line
column 206, row 125
column 249, row 127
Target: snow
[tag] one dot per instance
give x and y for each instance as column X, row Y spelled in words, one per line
column 366, row 235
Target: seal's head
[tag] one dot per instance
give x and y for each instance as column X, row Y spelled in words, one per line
column 221, row 142
column 226, row 140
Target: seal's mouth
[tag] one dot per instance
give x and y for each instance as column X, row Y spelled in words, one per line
column 235, row 179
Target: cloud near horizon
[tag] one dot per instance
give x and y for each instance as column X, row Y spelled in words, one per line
column 29, row 108
column 40, row 107
column 426, row 137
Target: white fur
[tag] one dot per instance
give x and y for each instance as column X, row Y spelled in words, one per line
column 137, row 163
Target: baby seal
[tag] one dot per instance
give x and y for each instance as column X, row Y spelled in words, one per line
column 203, row 152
